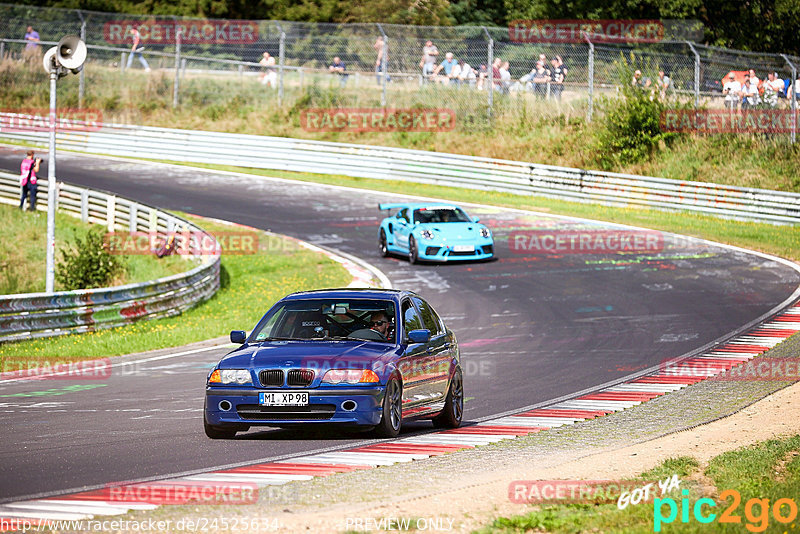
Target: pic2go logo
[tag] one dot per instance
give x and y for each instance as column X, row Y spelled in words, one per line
column 756, row 511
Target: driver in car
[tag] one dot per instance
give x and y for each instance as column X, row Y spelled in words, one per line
column 379, row 323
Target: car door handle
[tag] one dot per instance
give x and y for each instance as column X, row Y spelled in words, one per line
column 430, row 350
column 447, row 345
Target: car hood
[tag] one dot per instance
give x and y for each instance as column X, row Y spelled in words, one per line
column 308, row 354
column 452, row 230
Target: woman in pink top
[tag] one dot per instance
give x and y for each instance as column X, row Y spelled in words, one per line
column 27, row 179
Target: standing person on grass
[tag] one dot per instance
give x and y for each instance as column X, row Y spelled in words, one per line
column 27, row 179
column 136, row 49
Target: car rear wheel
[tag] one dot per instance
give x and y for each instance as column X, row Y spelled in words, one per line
column 392, row 415
column 413, row 254
column 382, row 246
column 453, row 404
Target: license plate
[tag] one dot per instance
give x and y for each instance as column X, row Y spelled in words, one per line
column 283, row 398
column 463, row 248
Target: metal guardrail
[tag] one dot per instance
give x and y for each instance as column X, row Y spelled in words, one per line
column 420, row 166
column 34, row 315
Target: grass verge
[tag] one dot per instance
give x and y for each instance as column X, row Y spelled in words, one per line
column 23, row 253
column 747, row 483
column 250, row 284
column 780, row 240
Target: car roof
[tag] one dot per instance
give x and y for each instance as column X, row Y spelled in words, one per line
column 356, row 293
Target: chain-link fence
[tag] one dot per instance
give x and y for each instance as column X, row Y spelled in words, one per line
column 479, row 73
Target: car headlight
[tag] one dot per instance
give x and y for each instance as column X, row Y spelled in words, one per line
column 350, row 376
column 230, row 376
column 485, row 233
column 426, row 234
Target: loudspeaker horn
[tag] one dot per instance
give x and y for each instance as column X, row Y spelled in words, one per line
column 71, row 52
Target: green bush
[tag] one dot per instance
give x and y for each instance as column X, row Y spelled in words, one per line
column 88, row 263
column 632, row 127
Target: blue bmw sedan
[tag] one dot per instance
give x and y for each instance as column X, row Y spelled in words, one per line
column 369, row 358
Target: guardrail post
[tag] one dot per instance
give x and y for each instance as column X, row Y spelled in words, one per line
column 133, row 215
column 81, row 79
column 302, row 75
column 241, row 70
column 122, row 57
column 792, row 97
column 590, row 79
column 153, row 216
column 177, row 65
column 85, row 205
column 110, row 208
column 2, row 49
column 489, row 74
column 281, row 60
column 696, row 75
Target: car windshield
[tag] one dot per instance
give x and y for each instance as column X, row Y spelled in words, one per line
column 440, row 214
column 328, row 319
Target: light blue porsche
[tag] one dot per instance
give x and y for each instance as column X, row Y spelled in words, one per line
column 433, row 232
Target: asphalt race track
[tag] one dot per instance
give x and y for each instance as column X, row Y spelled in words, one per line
column 532, row 327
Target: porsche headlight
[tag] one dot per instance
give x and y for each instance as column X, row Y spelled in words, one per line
column 231, row 376
column 485, row 233
column 426, row 234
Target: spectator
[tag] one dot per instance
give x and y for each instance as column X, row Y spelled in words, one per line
column 543, row 59
column 32, row 50
column 749, row 93
column 732, row 91
column 483, row 73
column 794, row 88
column 27, row 180
column 563, row 67
column 338, row 68
column 540, row 79
column 445, row 66
column 754, row 79
column 505, row 77
column 467, row 74
column 556, row 79
column 270, row 77
column 496, row 73
column 428, row 61
column 638, row 81
column 772, row 87
column 136, row 50
column 381, row 62
column 664, row 84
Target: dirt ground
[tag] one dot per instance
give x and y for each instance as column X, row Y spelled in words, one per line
column 471, row 501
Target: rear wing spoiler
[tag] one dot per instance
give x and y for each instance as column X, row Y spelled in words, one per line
column 391, row 206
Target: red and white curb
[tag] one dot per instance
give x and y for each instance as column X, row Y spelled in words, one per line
column 86, row 505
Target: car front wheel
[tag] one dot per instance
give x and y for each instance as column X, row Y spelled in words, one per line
column 392, row 415
column 413, row 253
column 215, row 432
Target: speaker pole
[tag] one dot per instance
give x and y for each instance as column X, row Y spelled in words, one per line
column 51, row 185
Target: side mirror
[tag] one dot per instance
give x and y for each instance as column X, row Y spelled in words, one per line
column 238, row 336
column 476, row 219
column 419, row 336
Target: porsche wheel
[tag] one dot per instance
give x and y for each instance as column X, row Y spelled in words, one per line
column 413, row 253
column 382, row 246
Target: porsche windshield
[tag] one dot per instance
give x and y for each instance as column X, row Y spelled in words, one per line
column 440, row 215
column 327, row 319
